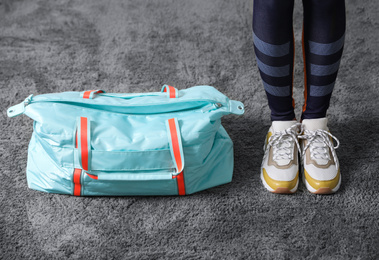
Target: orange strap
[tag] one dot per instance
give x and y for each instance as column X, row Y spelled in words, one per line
column 84, row 143
column 90, row 94
column 175, row 141
column 180, row 180
column 95, row 177
column 176, row 150
column 171, row 91
column 77, row 181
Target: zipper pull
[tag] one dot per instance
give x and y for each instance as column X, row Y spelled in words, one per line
column 210, row 107
column 19, row 108
column 218, row 105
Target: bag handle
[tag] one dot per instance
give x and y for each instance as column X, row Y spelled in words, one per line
column 170, row 91
column 89, row 94
column 84, row 153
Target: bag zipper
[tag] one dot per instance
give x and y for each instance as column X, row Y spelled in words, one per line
column 205, row 105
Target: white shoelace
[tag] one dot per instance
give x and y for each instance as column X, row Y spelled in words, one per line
column 318, row 142
column 282, row 143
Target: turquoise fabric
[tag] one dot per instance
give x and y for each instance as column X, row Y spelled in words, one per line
column 130, row 151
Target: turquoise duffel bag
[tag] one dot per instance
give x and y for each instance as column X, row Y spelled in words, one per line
column 94, row 143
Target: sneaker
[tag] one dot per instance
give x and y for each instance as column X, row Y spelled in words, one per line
column 319, row 159
column 280, row 168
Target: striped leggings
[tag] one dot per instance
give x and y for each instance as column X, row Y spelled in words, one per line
column 323, row 40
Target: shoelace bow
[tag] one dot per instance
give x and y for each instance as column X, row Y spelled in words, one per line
column 321, row 137
column 281, row 142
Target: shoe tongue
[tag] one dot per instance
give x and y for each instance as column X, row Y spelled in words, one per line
column 315, row 124
column 282, row 125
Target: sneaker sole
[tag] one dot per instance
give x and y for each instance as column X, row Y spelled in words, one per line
column 279, row 190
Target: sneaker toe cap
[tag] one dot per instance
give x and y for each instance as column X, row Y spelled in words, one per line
column 319, row 180
column 289, row 183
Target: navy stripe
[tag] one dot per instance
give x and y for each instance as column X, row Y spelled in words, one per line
column 316, row 107
column 274, row 71
column 326, row 48
column 324, row 70
column 277, row 91
column 271, row 49
column 324, row 60
column 274, row 61
column 281, row 107
column 276, row 81
column 320, row 91
column 321, row 80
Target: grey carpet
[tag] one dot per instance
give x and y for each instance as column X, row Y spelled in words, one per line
column 134, row 46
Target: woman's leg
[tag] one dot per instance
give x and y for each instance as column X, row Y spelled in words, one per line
column 274, row 50
column 323, row 41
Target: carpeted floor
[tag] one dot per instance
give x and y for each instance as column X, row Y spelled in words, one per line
column 135, row 46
